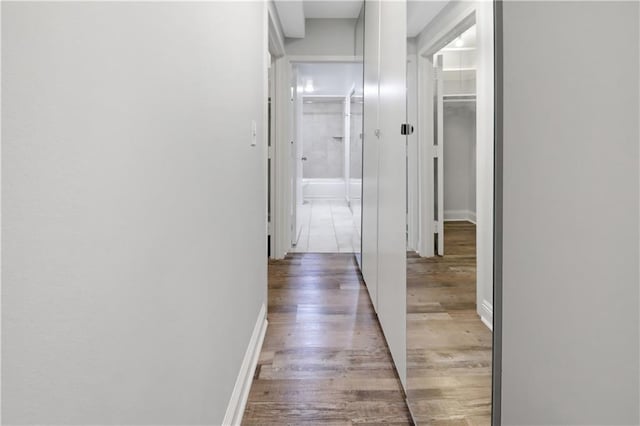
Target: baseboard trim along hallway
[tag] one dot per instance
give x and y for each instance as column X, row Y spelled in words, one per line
column 240, row 394
column 460, row 216
column 486, row 314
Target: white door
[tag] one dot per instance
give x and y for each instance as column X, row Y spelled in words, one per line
column 392, row 180
column 439, row 157
column 270, row 161
column 370, row 146
column 297, row 158
column 346, row 139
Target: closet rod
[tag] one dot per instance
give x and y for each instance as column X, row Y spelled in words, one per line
column 459, row 98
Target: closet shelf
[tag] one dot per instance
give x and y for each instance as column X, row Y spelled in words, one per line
column 458, row 69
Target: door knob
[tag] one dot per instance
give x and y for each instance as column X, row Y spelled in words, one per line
column 304, row 158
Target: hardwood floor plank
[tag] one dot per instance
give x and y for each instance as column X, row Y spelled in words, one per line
column 448, row 346
column 324, row 359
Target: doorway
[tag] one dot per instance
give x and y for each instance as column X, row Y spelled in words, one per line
column 450, row 221
column 327, row 157
column 455, row 166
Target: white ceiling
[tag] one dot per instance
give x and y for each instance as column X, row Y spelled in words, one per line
column 330, row 79
column 420, row 13
column 332, row 9
column 468, row 40
column 292, row 13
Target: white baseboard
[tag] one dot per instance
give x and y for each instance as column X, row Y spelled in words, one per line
column 240, row 394
column 472, row 217
column 460, row 216
column 486, row 314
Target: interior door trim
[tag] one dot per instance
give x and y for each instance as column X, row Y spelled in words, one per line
column 496, row 386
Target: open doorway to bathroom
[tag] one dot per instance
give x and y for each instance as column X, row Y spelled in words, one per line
column 327, row 157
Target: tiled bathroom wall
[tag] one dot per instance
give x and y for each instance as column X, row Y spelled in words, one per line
column 322, row 132
column 356, row 140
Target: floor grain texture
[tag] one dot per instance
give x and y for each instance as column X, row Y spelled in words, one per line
column 448, row 346
column 324, row 360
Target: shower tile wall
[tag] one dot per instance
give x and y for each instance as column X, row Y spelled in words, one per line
column 356, row 141
column 322, row 124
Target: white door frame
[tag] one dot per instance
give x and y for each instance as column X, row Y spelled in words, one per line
column 280, row 161
column 438, row 153
column 277, row 52
column 281, row 189
column 454, row 18
column 426, row 77
column 413, row 213
column 346, row 133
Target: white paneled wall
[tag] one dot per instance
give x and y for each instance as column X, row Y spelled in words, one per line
column 370, row 153
column 460, row 161
column 385, row 170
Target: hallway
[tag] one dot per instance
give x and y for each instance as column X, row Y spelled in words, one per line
column 324, row 358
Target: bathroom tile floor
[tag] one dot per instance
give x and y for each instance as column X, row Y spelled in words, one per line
column 329, row 226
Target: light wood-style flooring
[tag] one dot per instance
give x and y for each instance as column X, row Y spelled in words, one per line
column 324, row 359
column 448, row 346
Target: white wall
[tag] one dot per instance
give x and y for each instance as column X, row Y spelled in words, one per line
column 325, row 37
column 331, row 78
column 323, row 139
column 570, row 272
column 133, row 277
column 359, row 37
column 459, row 161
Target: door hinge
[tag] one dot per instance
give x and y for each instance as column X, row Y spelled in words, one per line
column 270, row 152
column 436, row 227
column 436, row 151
